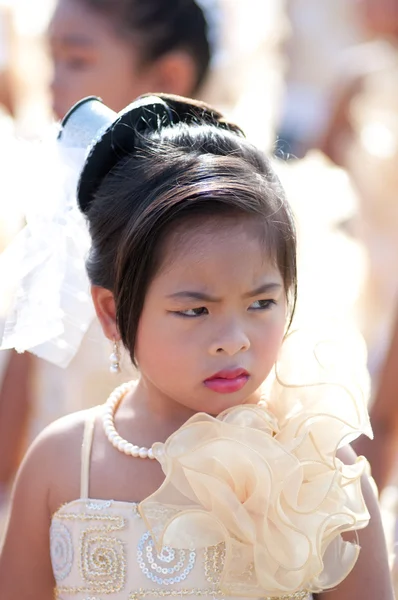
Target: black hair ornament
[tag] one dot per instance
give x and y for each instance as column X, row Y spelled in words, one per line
column 110, row 136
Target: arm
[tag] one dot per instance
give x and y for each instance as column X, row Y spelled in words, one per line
column 15, row 403
column 382, row 452
column 356, row 65
column 8, row 63
column 339, row 130
column 370, row 578
column 25, row 567
column 49, row 477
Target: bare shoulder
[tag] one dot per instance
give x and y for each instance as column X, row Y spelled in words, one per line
column 58, row 450
column 49, row 476
column 370, row 577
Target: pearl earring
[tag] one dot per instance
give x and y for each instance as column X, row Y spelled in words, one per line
column 115, row 358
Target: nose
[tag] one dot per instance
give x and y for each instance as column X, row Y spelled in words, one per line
column 56, row 98
column 60, row 92
column 54, row 77
column 230, row 341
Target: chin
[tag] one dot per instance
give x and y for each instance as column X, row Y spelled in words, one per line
column 220, row 402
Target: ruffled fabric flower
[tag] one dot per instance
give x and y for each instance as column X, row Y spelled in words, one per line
column 269, row 486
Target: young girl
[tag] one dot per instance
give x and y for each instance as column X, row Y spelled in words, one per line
column 115, row 49
column 193, row 270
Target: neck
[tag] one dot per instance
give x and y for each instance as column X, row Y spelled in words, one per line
column 159, row 414
column 149, row 402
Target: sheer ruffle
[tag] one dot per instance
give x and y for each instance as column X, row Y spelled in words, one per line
column 266, row 481
column 42, row 271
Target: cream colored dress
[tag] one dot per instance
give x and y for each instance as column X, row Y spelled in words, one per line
column 253, row 505
column 102, row 548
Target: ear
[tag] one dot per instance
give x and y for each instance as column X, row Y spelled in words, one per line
column 104, row 304
column 175, row 73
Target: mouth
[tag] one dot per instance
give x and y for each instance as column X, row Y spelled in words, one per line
column 227, row 381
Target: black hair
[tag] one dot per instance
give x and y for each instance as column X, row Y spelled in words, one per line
column 189, row 169
column 161, row 26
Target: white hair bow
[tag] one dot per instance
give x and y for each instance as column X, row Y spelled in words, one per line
column 43, row 270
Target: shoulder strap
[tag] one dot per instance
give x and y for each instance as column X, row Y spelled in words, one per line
column 86, row 454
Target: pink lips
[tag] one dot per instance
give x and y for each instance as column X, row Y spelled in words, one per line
column 227, row 381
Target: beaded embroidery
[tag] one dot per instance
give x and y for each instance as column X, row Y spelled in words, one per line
column 61, row 550
column 214, row 563
column 102, row 556
column 141, row 593
column 155, row 593
column 102, row 559
column 175, row 564
column 98, row 505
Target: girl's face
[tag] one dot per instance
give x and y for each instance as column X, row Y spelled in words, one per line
column 90, row 59
column 214, row 316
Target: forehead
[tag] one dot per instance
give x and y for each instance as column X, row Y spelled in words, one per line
column 217, row 251
column 72, row 19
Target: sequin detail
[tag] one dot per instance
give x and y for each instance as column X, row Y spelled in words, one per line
column 169, row 567
column 214, row 559
column 210, row 592
column 61, row 550
column 102, row 555
column 104, row 549
column 156, row 593
column 98, row 504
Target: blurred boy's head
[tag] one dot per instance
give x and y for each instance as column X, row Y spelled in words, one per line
column 119, row 49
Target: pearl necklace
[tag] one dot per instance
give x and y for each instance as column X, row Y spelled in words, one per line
column 108, row 422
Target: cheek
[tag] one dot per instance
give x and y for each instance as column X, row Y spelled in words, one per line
column 78, row 84
column 161, row 346
column 118, row 65
column 117, row 89
column 97, row 77
column 268, row 339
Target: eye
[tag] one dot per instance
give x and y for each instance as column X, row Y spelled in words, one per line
column 193, row 312
column 78, row 63
column 262, row 305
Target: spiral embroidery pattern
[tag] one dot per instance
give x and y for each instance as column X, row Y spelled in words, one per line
column 102, row 555
column 168, row 567
column 61, row 549
column 103, row 561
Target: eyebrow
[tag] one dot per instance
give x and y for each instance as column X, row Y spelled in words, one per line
column 74, row 40
column 191, row 295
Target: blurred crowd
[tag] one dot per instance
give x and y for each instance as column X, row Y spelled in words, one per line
column 314, row 83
